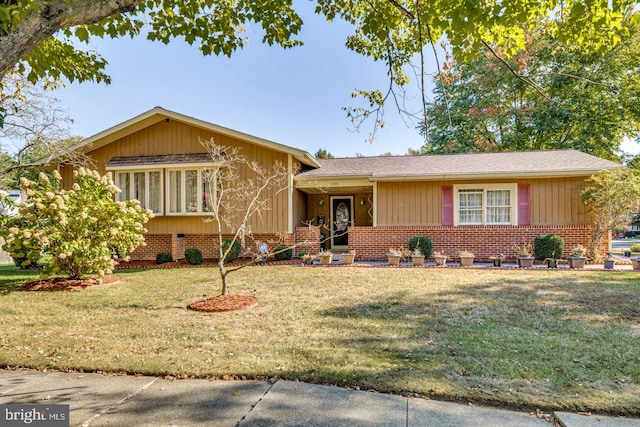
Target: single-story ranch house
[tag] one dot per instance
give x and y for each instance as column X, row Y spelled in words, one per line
column 484, row 203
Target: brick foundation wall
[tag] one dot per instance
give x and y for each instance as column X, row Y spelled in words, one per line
column 207, row 243
column 373, row 243
column 307, row 239
column 155, row 243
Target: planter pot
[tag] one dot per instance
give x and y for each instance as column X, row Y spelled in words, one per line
column 627, row 253
column 635, row 263
column 609, row 263
column 417, row 260
column 393, row 259
column 441, row 260
column 552, row 263
column 466, row 261
column 325, row 259
column 576, row 261
column 348, row 258
column 525, row 261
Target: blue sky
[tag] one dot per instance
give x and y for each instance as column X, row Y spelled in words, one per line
column 294, row 97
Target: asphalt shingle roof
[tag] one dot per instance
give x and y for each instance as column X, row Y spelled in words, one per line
column 164, row 159
column 560, row 162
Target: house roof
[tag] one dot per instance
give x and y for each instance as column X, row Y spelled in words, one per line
column 461, row 166
column 159, row 114
column 137, row 162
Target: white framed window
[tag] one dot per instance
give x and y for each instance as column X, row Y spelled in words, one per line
column 485, row 204
column 190, row 191
column 144, row 186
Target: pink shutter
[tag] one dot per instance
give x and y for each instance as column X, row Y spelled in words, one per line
column 524, row 205
column 447, row 205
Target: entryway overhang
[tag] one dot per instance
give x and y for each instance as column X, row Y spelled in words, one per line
column 342, row 186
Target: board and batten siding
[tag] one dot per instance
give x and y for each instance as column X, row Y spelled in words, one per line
column 553, row 201
column 175, row 137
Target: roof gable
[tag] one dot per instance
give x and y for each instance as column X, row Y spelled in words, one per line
column 159, row 114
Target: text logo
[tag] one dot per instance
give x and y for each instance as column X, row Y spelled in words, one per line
column 34, row 415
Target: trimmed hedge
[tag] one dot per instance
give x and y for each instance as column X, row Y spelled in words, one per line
column 234, row 253
column 283, row 253
column 163, row 257
column 193, row 256
column 424, row 243
column 548, row 246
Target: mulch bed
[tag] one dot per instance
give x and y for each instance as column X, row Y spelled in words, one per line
column 64, row 284
column 222, row 303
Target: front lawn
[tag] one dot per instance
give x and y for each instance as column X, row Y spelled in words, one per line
column 537, row 339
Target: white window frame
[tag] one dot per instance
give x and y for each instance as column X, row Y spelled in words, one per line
column 513, row 198
column 183, row 193
column 147, row 187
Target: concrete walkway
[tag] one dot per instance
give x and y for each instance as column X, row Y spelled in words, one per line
column 100, row 400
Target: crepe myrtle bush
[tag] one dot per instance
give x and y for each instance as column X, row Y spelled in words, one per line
column 83, row 230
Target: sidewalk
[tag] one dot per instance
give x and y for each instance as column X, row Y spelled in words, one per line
column 99, row 400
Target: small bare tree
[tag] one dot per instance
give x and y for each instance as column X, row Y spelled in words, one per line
column 238, row 190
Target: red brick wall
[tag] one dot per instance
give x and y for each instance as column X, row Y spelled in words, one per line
column 307, row 239
column 155, row 243
column 207, row 243
column 372, row 243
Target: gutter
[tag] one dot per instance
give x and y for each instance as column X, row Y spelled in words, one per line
column 453, row 176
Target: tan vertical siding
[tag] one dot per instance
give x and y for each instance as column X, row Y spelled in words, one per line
column 553, row 201
column 172, row 137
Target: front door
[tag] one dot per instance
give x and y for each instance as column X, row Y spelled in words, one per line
column 341, row 219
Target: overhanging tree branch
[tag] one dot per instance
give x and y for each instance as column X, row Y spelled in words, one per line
column 49, row 17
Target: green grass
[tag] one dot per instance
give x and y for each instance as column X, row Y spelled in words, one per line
column 536, row 339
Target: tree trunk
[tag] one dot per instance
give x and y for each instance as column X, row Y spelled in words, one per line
column 49, row 18
column 597, row 236
column 223, row 277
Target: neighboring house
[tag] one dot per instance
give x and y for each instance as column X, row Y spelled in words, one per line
column 5, row 209
column 484, row 203
column 15, row 197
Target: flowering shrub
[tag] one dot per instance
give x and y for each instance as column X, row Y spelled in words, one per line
column 83, row 230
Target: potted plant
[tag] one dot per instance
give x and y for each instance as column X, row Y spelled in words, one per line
column 610, row 261
column 417, row 258
column 394, row 255
column 523, row 253
column 632, row 249
column 466, row 258
column 440, row 258
column 497, row 261
column 577, row 257
column 349, row 257
column 325, row 256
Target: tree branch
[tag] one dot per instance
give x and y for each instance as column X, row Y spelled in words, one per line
column 403, row 10
column 51, row 16
column 519, row 76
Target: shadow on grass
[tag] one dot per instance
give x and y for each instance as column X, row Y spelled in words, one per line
column 12, row 277
column 561, row 342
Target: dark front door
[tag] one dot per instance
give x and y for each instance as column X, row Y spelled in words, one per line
column 341, row 219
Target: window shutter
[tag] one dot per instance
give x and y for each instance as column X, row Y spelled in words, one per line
column 447, row 205
column 524, row 206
